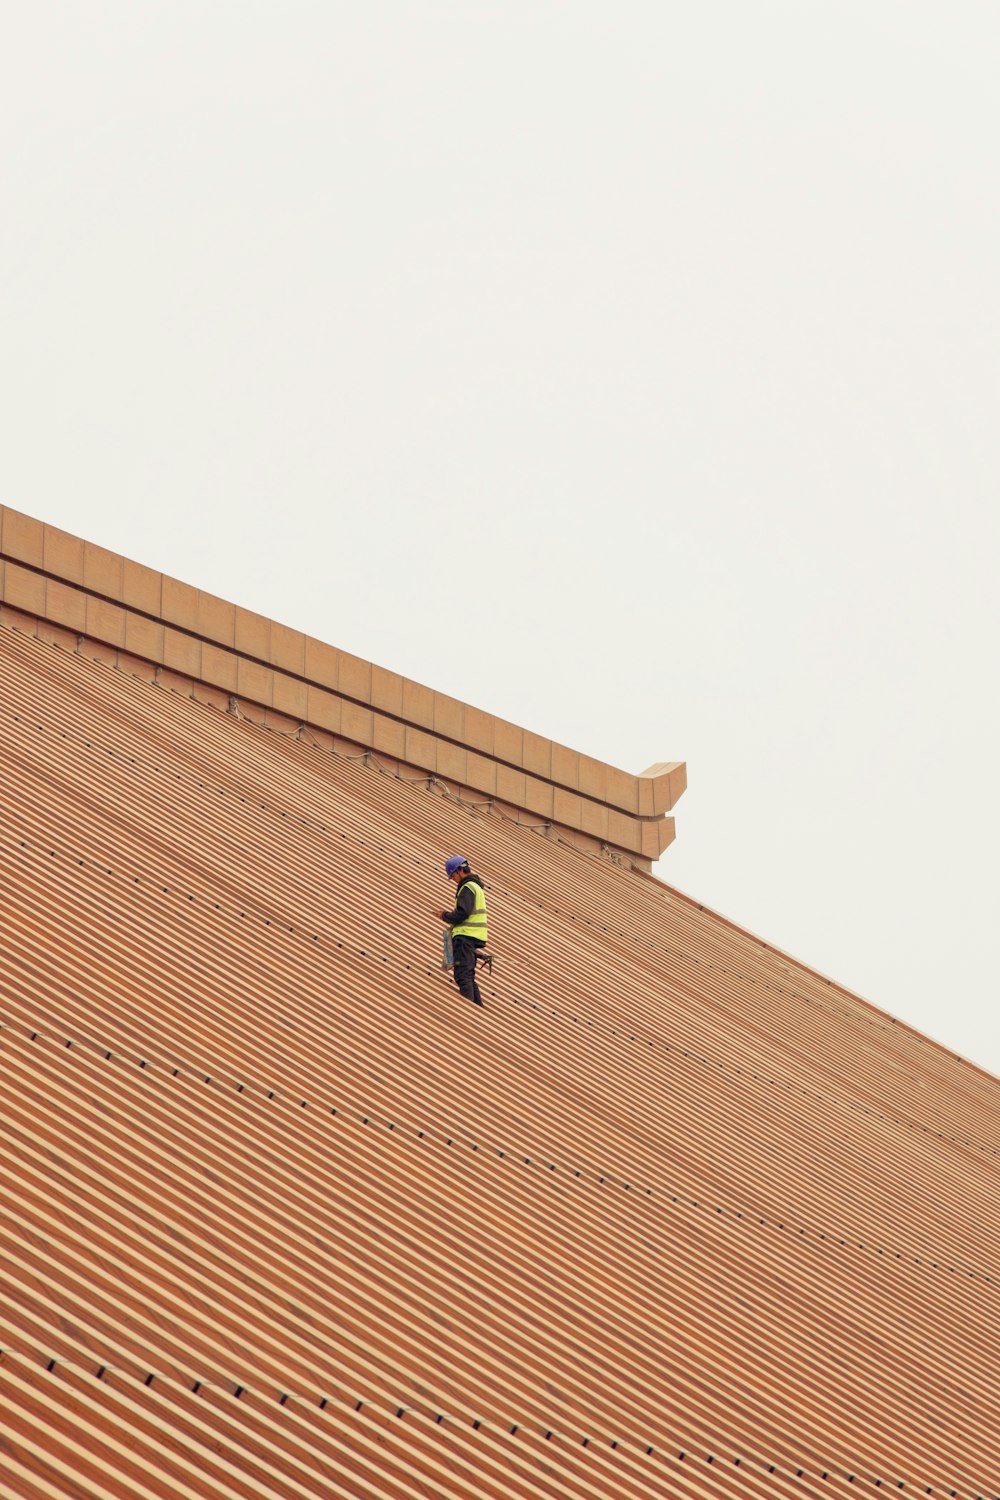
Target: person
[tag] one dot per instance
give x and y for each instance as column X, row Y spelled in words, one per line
column 467, row 921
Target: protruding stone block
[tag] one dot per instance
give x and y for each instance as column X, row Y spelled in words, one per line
column 661, row 785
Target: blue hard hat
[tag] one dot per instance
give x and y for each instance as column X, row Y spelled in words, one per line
column 455, row 863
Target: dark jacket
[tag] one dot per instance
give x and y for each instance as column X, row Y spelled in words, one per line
column 464, row 902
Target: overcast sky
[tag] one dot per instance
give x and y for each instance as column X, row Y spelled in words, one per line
column 629, row 370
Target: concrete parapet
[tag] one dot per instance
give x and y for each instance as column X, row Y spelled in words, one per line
column 82, row 592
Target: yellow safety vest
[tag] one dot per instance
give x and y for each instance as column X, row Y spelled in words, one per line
column 474, row 925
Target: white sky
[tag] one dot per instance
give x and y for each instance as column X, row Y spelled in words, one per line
column 627, row 369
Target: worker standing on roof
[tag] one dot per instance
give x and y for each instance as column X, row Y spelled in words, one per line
column 468, row 925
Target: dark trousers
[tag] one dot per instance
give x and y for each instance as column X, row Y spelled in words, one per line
column 464, row 972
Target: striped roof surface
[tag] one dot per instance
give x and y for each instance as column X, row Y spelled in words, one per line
column 283, row 1216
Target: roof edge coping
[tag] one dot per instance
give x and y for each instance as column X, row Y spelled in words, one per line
column 83, row 586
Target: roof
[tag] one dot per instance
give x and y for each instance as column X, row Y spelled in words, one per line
column 672, row 1215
